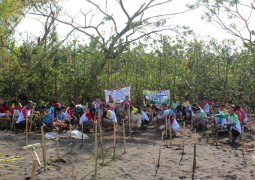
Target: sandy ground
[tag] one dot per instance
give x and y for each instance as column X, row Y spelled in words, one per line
column 140, row 161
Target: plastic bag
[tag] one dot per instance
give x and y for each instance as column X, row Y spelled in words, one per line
column 50, row 135
column 77, row 135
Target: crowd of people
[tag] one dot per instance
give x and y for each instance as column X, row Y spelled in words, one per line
column 226, row 118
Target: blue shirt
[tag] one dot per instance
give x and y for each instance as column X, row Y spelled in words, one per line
column 61, row 115
column 220, row 119
column 50, row 117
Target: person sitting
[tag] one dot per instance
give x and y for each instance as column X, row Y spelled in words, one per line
column 206, row 107
column 144, row 117
column 187, row 114
column 199, row 118
column 48, row 108
column 178, row 113
column 78, row 111
column 126, row 103
column 174, row 125
column 164, row 108
column 69, row 114
column 241, row 115
column 111, row 102
column 135, row 120
column 186, row 103
column 110, row 118
column 88, row 120
column 233, row 124
column 4, row 110
column 16, row 111
column 53, row 119
column 219, row 121
column 39, row 116
column 174, row 105
column 16, row 101
column 21, row 122
column 222, row 109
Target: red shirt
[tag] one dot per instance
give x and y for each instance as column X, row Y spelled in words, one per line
column 122, row 104
column 89, row 116
column 12, row 110
column 3, row 109
column 69, row 112
column 202, row 105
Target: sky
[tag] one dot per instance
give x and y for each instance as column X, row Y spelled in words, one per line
column 192, row 19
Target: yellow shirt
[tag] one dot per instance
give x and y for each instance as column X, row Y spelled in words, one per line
column 113, row 103
column 37, row 116
column 108, row 113
column 13, row 105
column 186, row 104
column 225, row 111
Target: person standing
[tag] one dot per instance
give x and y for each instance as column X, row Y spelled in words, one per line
column 174, row 104
column 126, row 103
column 186, row 103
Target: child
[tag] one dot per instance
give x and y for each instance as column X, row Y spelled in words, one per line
column 69, row 114
column 200, row 118
column 54, row 120
column 39, row 116
column 88, row 119
column 98, row 104
column 21, row 122
column 111, row 102
column 4, row 110
column 186, row 103
column 136, row 120
column 241, row 115
column 174, row 125
column 110, row 118
column 174, row 105
column 16, row 111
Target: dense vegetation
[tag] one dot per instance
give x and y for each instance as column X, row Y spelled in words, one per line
column 74, row 70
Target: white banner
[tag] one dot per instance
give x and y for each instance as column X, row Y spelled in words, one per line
column 118, row 95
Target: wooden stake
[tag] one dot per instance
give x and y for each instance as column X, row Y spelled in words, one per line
column 194, row 162
column 166, row 126
column 73, row 177
column 13, row 117
column 26, row 125
column 6, row 120
column 38, row 160
column 44, row 150
column 33, row 175
column 183, row 137
column 71, row 137
column 82, row 133
column 52, row 123
column 212, row 173
column 96, row 148
column 217, row 135
column 102, row 146
column 114, row 146
column 124, row 136
column 31, row 120
column 130, row 128
column 61, row 122
column 58, row 147
column 242, row 140
column 250, row 124
column 170, row 128
column 99, row 117
column 160, row 148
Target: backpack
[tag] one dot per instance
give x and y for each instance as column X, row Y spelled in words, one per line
column 78, row 109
